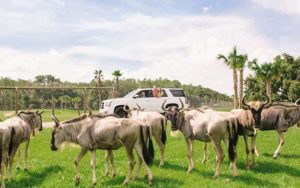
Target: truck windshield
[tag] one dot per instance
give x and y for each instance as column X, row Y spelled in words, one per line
column 129, row 94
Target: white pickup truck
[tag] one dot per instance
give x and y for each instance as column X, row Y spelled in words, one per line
column 144, row 98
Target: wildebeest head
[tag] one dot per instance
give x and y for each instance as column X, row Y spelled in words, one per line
column 256, row 108
column 38, row 120
column 174, row 114
column 57, row 133
column 131, row 113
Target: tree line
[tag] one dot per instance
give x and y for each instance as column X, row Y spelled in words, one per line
column 279, row 79
column 72, row 98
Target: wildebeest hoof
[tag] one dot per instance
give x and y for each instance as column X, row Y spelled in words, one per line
column 189, row 170
column 253, row 165
column 216, row 176
column 161, row 164
column 26, row 170
column 114, row 174
column 94, row 183
column 77, row 181
column 204, row 161
column 150, row 183
column 125, row 182
column 18, row 168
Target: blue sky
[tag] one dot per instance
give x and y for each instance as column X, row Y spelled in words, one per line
column 145, row 39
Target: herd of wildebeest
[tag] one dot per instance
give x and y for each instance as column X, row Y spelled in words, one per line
column 110, row 132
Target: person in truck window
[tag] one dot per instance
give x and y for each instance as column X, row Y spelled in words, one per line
column 159, row 92
column 143, row 94
column 154, row 91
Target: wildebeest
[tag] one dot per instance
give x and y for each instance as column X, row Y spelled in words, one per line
column 93, row 132
column 156, row 121
column 206, row 127
column 280, row 118
column 6, row 133
column 23, row 124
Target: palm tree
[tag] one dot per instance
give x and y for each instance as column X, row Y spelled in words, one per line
column 241, row 65
column 232, row 61
column 76, row 101
column 99, row 79
column 266, row 73
column 117, row 74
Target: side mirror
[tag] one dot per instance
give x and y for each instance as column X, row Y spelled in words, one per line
column 136, row 96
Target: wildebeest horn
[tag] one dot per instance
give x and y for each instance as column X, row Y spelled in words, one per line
column 29, row 108
column 267, row 101
column 244, row 103
column 163, row 106
column 182, row 105
column 141, row 109
column 40, row 113
column 297, row 101
column 125, row 109
column 55, row 120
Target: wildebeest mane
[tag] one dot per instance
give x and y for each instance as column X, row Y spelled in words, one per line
column 104, row 115
column 76, row 119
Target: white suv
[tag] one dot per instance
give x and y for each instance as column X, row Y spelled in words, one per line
column 144, row 98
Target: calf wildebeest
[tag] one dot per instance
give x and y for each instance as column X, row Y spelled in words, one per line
column 280, row 118
column 206, row 127
column 6, row 133
column 156, row 121
column 23, row 124
column 93, row 132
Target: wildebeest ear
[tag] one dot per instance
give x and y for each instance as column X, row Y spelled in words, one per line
column 40, row 113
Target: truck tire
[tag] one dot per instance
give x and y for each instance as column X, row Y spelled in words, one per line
column 120, row 112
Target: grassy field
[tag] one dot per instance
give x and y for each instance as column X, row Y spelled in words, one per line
column 60, row 113
column 57, row 169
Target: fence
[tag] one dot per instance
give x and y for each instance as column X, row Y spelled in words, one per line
column 212, row 103
column 10, row 96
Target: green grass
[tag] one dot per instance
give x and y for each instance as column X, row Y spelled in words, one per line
column 61, row 114
column 57, row 169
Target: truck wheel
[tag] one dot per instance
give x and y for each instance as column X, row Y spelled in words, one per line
column 120, row 112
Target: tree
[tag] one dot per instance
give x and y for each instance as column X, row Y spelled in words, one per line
column 64, row 100
column 117, row 74
column 232, row 61
column 76, row 101
column 99, row 78
column 242, row 59
column 266, row 73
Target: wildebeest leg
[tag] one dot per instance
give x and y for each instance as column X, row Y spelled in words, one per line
column 247, row 150
column 111, row 158
column 190, row 148
column 26, row 154
column 93, row 165
column 148, row 171
column 129, row 151
column 107, row 163
column 220, row 156
column 161, row 149
column 11, row 159
column 3, row 166
column 83, row 151
column 253, row 142
column 140, row 163
column 253, row 150
column 204, row 153
column 19, row 156
column 281, row 142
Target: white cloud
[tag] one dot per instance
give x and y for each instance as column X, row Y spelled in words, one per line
column 176, row 47
column 283, row 6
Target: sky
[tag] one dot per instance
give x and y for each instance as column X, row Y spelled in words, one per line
column 174, row 39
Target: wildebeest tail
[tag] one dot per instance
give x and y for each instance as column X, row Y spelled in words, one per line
column 232, row 129
column 163, row 132
column 148, row 153
column 10, row 147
